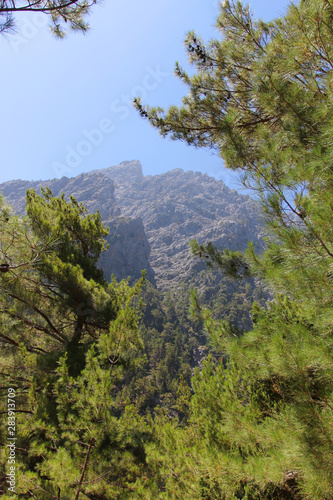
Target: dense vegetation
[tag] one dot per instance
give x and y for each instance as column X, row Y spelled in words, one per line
column 262, row 96
column 107, row 406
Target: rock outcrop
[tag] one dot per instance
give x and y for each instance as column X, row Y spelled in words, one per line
column 96, row 193
column 179, row 206
column 129, row 249
column 153, row 218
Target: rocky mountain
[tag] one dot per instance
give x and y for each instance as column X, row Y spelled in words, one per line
column 176, row 207
column 129, row 249
column 153, row 218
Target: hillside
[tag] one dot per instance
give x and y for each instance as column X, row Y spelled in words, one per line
column 174, row 207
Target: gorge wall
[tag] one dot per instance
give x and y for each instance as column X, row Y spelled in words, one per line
column 153, row 218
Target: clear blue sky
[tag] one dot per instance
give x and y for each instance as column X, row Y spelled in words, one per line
column 57, row 93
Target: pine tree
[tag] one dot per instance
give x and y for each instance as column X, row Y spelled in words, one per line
column 261, row 96
column 67, row 338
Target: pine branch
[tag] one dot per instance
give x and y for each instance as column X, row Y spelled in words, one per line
column 84, row 469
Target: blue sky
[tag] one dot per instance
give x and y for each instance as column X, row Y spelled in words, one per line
column 66, row 103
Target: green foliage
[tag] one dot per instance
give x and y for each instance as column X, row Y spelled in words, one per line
column 98, row 418
column 262, row 428
column 261, row 96
column 229, row 299
column 67, row 338
column 232, row 263
column 173, row 345
column 52, row 294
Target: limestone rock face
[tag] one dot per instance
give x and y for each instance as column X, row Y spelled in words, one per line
column 176, row 207
column 153, row 218
column 129, row 249
column 126, row 173
column 96, row 193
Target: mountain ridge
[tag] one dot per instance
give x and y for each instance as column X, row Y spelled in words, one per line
column 156, row 216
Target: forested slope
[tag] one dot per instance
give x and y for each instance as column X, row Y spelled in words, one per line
column 122, row 393
column 151, row 221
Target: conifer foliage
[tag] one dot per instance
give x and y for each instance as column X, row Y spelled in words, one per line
column 62, row 14
column 67, row 337
column 97, row 421
column 262, row 97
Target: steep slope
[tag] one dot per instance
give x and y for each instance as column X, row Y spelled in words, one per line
column 179, row 206
column 153, row 218
column 129, row 248
column 96, row 193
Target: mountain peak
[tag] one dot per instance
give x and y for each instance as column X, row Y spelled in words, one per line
column 127, row 172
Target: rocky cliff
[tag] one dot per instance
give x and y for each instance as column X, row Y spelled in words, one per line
column 129, row 249
column 179, row 206
column 153, row 218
